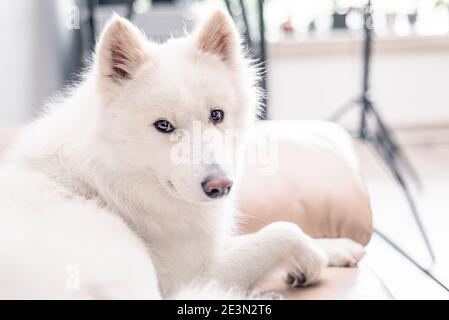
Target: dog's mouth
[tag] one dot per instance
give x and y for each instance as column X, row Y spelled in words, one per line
column 170, row 188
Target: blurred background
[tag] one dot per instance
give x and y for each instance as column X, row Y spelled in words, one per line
column 317, row 54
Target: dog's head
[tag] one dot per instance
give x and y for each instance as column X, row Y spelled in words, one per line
column 177, row 110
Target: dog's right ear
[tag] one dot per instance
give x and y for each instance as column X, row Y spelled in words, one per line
column 120, row 51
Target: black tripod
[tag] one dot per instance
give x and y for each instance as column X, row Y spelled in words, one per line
column 373, row 131
column 238, row 11
column 92, row 6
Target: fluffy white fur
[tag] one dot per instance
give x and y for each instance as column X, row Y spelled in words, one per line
column 91, row 207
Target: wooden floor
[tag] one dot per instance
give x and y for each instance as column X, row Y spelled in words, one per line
column 430, row 155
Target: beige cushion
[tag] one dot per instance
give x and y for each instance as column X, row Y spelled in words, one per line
column 316, row 182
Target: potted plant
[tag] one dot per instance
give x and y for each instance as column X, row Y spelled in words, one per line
column 338, row 16
column 442, row 3
column 413, row 15
column 390, row 18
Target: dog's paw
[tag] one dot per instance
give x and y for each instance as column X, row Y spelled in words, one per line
column 342, row 252
column 307, row 268
column 305, row 259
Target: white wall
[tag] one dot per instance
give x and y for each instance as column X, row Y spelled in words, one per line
column 313, row 78
column 16, row 25
column 34, row 56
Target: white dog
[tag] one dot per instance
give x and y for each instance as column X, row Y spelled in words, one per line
column 92, row 204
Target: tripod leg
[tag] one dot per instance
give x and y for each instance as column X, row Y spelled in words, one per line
column 91, row 6
column 382, row 148
column 396, row 150
column 341, row 111
column 130, row 10
column 409, row 258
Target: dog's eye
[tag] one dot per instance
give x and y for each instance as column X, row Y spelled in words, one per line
column 164, row 126
column 217, row 116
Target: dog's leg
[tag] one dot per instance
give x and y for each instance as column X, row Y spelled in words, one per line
column 250, row 257
column 341, row 252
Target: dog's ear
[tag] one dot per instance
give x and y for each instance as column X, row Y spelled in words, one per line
column 120, row 50
column 219, row 36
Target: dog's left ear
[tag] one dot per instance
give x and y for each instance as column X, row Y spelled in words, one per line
column 120, row 50
column 219, row 36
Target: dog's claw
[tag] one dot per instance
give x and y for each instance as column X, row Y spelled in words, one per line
column 296, row 281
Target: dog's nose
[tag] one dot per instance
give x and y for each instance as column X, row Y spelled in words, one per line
column 216, row 186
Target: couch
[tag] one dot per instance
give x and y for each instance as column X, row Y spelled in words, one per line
column 312, row 178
